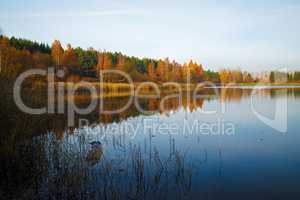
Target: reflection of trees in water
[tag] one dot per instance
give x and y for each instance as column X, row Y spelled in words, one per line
column 21, row 125
column 35, row 162
column 237, row 94
column 295, row 92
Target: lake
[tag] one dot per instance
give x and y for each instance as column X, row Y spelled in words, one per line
column 225, row 144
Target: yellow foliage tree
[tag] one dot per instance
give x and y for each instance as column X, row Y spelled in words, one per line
column 57, row 54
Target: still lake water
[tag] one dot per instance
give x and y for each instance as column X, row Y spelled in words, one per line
column 178, row 152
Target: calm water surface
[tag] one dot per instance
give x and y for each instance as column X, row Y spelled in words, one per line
column 134, row 156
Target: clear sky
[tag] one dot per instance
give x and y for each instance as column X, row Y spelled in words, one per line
column 253, row 35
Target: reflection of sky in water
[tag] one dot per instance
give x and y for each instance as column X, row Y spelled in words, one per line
column 255, row 161
column 256, row 158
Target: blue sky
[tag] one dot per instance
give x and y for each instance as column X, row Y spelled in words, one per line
column 255, row 36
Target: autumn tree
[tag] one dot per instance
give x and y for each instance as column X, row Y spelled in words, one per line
column 151, row 70
column 231, row 76
column 9, row 65
column 196, row 71
column 42, row 60
column 237, row 76
column 175, row 72
column 107, row 61
column 69, row 58
column 247, row 78
column 121, row 61
column 224, row 76
column 104, row 63
column 162, row 69
column 5, row 51
column 57, row 54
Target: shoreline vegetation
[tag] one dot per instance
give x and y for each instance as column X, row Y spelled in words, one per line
column 77, row 64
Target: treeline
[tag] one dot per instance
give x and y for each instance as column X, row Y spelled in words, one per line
column 29, row 45
column 18, row 55
column 139, row 69
column 235, row 76
column 277, row 76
